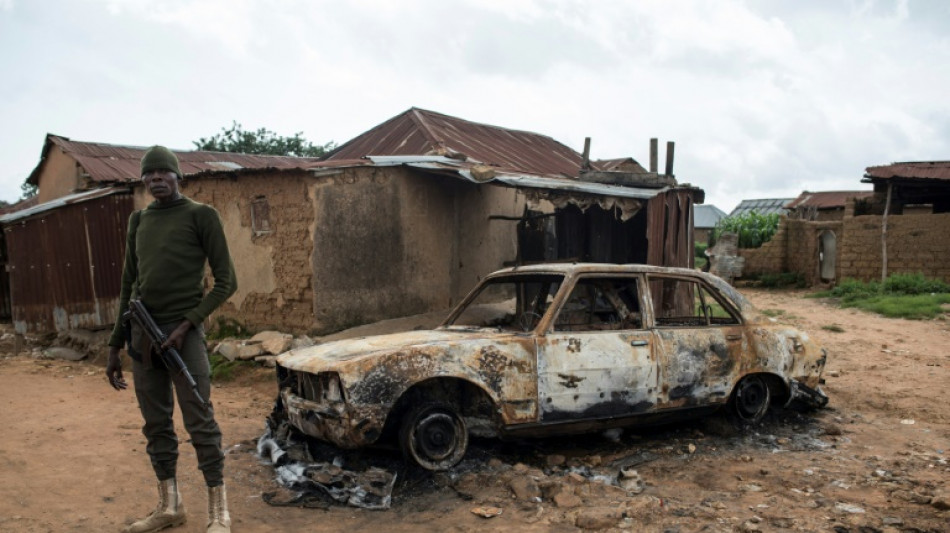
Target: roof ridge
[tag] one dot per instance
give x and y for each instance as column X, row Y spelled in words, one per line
column 416, row 115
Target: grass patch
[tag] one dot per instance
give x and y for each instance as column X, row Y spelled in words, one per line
column 833, row 327
column 773, row 312
column 223, row 370
column 909, row 296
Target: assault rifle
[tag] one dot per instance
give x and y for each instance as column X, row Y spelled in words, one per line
column 170, row 355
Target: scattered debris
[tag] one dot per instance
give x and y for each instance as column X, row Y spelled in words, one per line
column 371, row 489
column 487, row 512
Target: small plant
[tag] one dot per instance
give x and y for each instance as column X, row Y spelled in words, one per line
column 753, row 229
column 228, row 328
column 833, row 327
column 223, row 370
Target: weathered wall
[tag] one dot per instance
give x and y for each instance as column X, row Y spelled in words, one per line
column 273, row 269
column 915, row 243
column 794, row 248
column 770, row 258
column 485, row 245
column 60, row 176
column 383, row 245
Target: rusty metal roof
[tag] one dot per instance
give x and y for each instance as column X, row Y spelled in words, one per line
column 109, row 163
column 932, row 170
column 826, row 199
column 421, row 132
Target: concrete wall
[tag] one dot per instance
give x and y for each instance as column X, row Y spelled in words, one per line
column 915, row 243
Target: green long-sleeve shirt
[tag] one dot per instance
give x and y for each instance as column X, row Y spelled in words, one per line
column 165, row 253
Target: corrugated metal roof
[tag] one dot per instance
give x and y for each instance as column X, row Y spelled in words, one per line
column 707, row 215
column 826, row 199
column 22, row 204
column 763, row 206
column 464, row 170
column 421, row 132
column 75, row 198
column 109, row 163
column 932, row 170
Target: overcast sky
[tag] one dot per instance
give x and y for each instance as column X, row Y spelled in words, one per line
column 764, row 99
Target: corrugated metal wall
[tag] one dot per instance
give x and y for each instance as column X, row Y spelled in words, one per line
column 66, row 265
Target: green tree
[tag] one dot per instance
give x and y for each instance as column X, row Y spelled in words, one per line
column 262, row 141
column 29, row 190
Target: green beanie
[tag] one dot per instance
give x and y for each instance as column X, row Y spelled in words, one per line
column 160, row 158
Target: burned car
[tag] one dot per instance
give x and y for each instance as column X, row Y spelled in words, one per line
column 551, row 349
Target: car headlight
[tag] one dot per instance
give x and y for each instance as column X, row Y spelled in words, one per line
column 332, row 389
column 322, row 387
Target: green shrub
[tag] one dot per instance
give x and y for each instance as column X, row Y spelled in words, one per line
column 753, row 229
column 224, row 370
column 228, row 328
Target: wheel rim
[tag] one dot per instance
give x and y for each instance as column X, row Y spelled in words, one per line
column 436, row 437
column 752, row 398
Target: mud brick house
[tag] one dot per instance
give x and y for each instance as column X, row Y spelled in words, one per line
column 822, row 205
column 903, row 226
column 405, row 218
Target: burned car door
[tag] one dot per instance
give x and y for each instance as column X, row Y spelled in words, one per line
column 701, row 342
column 597, row 359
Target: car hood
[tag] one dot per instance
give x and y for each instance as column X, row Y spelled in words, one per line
column 333, row 354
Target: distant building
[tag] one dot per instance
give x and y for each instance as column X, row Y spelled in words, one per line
column 823, row 205
column 764, row 206
column 705, row 218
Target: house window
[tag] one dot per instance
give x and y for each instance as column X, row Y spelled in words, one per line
column 260, row 216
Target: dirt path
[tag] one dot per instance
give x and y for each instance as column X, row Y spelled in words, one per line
column 72, row 457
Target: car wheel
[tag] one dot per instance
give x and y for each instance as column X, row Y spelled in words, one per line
column 750, row 401
column 433, row 436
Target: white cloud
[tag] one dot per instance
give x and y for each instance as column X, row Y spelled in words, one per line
column 763, row 98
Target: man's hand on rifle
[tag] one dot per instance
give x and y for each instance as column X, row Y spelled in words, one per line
column 177, row 337
column 114, row 370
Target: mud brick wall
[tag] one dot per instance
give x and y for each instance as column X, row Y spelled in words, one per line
column 915, row 243
column 273, row 268
column 770, row 258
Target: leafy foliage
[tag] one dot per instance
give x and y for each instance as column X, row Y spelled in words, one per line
column 262, row 141
column 753, row 229
column 900, row 296
column 29, row 190
column 224, row 370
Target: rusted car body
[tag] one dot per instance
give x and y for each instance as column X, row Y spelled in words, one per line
column 548, row 349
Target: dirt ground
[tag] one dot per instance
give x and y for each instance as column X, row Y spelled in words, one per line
column 72, row 455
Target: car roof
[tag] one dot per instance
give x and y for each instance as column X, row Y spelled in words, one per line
column 612, row 268
column 568, row 269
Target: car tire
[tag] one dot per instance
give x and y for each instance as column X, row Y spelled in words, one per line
column 750, row 400
column 433, row 436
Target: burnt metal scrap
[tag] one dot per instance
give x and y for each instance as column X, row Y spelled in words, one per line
column 311, row 480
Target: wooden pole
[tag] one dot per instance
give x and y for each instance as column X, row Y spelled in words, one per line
column 585, row 165
column 887, row 208
column 654, row 149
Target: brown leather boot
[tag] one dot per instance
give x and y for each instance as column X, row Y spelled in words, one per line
column 219, row 520
column 169, row 513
